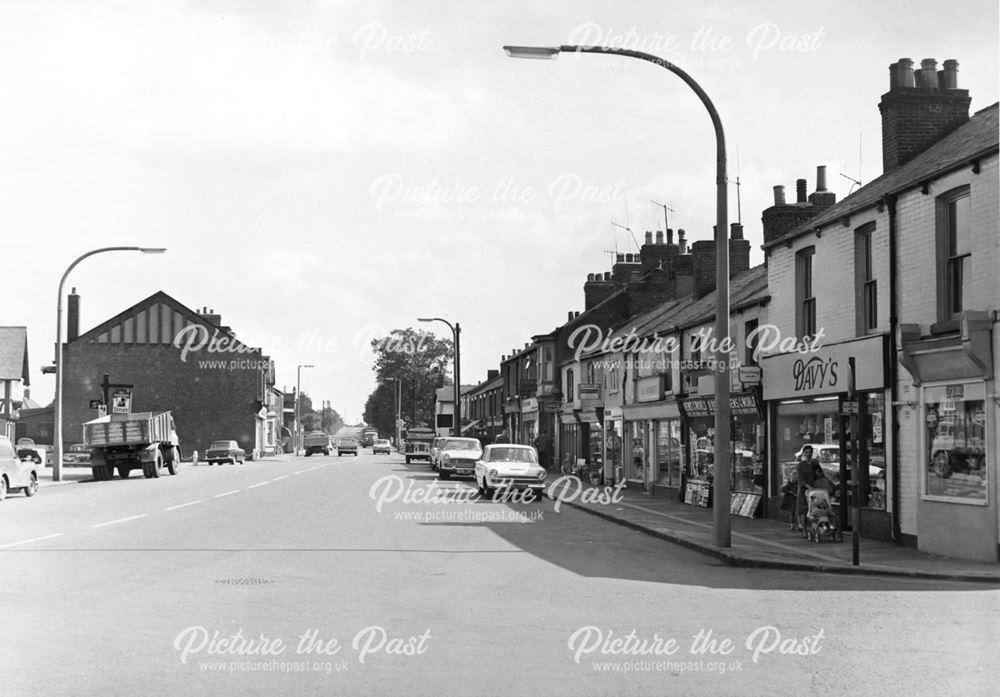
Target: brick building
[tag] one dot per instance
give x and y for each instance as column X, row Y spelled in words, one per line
column 900, row 277
column 175, row 359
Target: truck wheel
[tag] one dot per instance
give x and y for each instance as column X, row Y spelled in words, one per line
column 147, row 470
column 157, row 463
column 444, row 475
column 173, row 464
column 407, row 460
column 124, row 471
column 3, row 487
column 326, row 451
column 308, row 453
column 32, row 487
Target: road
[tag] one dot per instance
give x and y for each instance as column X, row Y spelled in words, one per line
column 304, row 576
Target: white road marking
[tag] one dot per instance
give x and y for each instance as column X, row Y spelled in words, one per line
column 228, row 493
column 120, row 520
column 254, row 486
column 182, row 505
column 277, row 479
column 299, row 472
column 33, row 539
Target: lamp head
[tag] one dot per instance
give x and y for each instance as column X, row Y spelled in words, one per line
column 536, row 52
column 152, row 250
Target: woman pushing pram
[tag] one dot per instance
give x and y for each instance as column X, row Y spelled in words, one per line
column 814, row 509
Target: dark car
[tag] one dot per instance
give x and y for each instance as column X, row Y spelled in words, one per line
column 78, row 454
column 225, row 451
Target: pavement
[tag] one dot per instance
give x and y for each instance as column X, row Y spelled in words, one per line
column 763, row 543
column 74, row 474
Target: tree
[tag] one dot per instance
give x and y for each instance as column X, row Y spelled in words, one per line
column 422, row 363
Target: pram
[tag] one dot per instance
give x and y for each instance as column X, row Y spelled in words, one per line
column 820, row 522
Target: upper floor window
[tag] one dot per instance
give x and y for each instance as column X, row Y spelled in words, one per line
column 547, row 364
column 750, row 341
column 570, row 393
column 867, row 287
column 954, row 229
column 805, row 300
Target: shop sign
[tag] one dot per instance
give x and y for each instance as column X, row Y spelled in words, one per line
column 649, row 389
column 704, row 407
column 528, row 405
column 589, row 390
column 552, row 407
column 121, row 401
column 750, row 374
column 587, row 417
column 824, row 371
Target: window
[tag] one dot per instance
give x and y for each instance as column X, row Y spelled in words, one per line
column 955, row 443
column 954, row 253
column 805, row 301
column 867, row 288
column 570, row 391
column 548, row 365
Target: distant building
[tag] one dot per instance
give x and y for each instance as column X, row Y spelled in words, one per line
column 165, row 356
column 13, row 375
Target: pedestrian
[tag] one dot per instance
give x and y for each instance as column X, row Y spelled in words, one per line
column 543, row 444
column 805, row 474
column 789, row 499
column 502, row 437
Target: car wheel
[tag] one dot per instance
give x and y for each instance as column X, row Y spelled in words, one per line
column 3, row 488
column 942, row 464
column 32, row 487
column 407, row 460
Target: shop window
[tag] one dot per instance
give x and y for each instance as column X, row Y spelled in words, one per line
column 955, row 443
column 872, row 437
column 805, row 301
column 954, row 233
column 866, row 292
column 570, row 389
column 637, row 451
column 815, row 423
column 668, row 452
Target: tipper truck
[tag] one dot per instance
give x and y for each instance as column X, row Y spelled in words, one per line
column 124, row 442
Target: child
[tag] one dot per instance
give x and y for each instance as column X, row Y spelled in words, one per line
column 788, row 500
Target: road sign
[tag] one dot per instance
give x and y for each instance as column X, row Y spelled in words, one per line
column 849, row 407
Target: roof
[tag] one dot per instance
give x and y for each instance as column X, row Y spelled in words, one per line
column 745, row 290
column 14, row 354
column 976, row 138
column 447, row 393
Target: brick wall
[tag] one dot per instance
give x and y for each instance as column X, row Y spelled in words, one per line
column 207, row 403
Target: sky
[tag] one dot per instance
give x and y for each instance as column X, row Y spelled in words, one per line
column 324, row 172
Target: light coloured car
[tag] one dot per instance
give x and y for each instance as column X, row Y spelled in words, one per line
column 77, row 454
column 458, row 456
column 16, row 473
column 382, row 445
column 509, row 466
column 347, row 445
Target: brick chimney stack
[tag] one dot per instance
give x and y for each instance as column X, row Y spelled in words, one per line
column 920, row 108
column 72, row 316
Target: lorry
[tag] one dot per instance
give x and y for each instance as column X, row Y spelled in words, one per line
column 368, row 437
column 417, row 443
column 124, row 442
column 316, row 442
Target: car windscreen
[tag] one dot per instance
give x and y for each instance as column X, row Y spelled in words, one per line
column 512, row 455
column 461, row 445
column 220, row 445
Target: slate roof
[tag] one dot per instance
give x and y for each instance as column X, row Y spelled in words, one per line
column 14, row 354
column 976, row 138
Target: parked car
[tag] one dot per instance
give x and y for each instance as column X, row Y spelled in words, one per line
column 16, row 473
column 458, row 456
column 225, row 451
column 435, row 451
column 347, row 445
column 509, row 466
column 381, row 445
column 26, row 448
column 77, row 454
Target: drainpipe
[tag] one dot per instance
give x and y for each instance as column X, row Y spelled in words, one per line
column 890, row 203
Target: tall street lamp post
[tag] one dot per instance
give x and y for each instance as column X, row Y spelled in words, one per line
column 298, row 395
column 456, row 331
column 722, row 536
column 57, row 449
column 397, row 394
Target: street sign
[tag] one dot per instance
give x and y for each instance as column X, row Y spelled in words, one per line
column 400, row 423
column 96, row 404
column 849, row 407
column 750, row 374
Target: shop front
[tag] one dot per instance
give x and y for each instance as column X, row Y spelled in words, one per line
column 569, row 448
column 615, row 447
column 653, row 426
column 529, row 421
column 745, row 463
column 806, row 394
column 957, row 434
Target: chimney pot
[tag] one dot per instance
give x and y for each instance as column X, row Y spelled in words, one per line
column 779, row 195
column 607, row 277
column 736, row 231
column 904, row 73
column 72, row 316
column 800, row 190
column 821, row 178
column 619, row 258
column 928, row 76
column 569, row 315
column 649, row 237
column 670, row 235
column 949, row 76
column 659, row 237
column 681, row 242
column 590, row 278
column 629, row 258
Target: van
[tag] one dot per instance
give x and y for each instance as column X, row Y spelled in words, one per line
column 15, row 473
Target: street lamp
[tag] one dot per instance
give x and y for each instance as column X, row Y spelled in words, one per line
column 455, row 332
column 57, row 415
column 398, row 399
column 720, row 512
column 298, row 393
